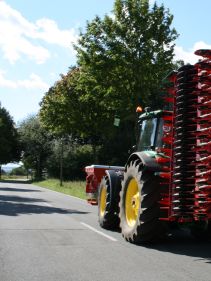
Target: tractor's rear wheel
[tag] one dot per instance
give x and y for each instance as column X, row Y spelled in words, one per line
column 108, row 209
column 139, row 209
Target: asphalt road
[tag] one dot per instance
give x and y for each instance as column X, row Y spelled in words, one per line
column 48, row 236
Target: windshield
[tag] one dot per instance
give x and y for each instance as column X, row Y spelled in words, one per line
column 147, row 134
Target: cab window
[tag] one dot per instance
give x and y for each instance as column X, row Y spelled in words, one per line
column 147, row 134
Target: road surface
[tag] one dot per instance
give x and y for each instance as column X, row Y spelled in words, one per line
column 48, row 236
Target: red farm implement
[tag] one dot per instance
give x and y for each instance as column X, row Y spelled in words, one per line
column 168, row 178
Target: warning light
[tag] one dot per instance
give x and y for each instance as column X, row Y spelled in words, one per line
column 139, row 109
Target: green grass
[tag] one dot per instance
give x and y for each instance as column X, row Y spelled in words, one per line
column 13, row 177
column 74, row 188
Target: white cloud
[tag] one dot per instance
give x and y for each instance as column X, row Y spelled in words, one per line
column 18, row 36
column 5, row 82
column 188, row 55
column 34, row 82
column 48, row 31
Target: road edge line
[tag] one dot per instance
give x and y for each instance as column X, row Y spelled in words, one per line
column 99, row 232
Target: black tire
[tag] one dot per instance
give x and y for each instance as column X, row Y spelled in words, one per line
column 201, row 230
column 108, row 201
column 145, row 226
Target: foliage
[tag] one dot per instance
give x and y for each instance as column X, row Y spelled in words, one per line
column 9, row 143
column 60, row 108
column 19, row 171
column 75, row 157
column 43, row 152
column 36, row 143
column 121, row 61
column 64, row 111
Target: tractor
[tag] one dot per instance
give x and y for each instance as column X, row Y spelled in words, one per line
column 167, row 180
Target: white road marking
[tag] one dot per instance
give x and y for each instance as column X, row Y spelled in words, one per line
column 47, row 204
column 99, row 232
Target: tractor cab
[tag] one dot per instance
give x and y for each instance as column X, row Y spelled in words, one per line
column 151, row 127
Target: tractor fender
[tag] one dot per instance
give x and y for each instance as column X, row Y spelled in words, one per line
column 147, row 158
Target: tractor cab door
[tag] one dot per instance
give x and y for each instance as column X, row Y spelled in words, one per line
column 150, row 134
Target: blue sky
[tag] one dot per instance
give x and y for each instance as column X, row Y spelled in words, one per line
column 36, row 42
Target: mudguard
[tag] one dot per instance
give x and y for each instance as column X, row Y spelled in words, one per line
column 147, row 158
column 115, row 178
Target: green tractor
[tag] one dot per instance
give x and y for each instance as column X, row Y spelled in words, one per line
column 128, row 197
column 141, row 186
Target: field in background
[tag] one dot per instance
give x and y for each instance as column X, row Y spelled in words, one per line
column 74, row 188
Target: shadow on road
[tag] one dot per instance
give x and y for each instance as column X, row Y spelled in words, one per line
column 15, row 206
column 4, row 198
column 182, row 243
column 18, row 189
column 22, row 181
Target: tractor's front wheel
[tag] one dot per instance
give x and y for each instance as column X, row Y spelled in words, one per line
column 139, row 209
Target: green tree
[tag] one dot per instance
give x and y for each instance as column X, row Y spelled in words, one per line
column 19, row 171
column 9, row 142
column 36, row 143
column 65, row 110
column 122, row 61
column 75, row 157
column 60, row 107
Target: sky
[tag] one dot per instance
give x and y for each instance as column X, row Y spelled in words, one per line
column 37, row 37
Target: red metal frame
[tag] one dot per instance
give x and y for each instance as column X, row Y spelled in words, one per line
column 95, row 173
column 189, row 194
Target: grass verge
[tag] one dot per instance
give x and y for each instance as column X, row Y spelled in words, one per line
column 13, row 177
column 74, row 188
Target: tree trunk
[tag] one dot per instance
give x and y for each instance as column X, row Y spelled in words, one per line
column 94, row 149
column 61, row 163
column 38, row 171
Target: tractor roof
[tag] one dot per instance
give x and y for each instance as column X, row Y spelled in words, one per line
column 151, row 114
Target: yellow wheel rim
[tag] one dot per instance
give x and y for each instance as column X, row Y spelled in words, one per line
column 132, row 202
column 102, row 201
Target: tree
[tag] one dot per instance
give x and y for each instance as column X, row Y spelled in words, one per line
column 60, row 107
column 36, row 143
column 19, row 171
column 75, row 157
column 122, row 61
column 9, row 142
column 65, row 110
